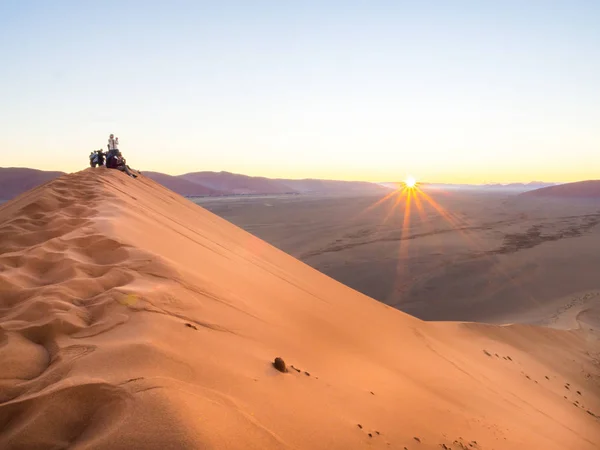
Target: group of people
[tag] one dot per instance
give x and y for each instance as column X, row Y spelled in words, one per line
column 113, row 157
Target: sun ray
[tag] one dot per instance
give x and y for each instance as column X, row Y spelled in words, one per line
column 399, row 198
column 463, row 227
column 403, row 244
column 422, row 215
column 410, row 192
column 379, row 202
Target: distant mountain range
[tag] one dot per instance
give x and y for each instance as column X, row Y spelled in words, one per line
column 14, row 181
column 510, row 187
column 226, row 183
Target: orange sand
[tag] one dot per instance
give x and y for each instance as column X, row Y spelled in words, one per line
column 132, row 318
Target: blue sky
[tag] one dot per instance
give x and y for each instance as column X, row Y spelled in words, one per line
column 463, row 91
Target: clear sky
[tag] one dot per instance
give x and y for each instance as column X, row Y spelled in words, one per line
column 448, row 91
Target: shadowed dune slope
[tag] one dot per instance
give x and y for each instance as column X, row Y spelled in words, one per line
column 132, row 318
column 589, row 189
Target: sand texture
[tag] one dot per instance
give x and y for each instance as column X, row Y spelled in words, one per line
column 132, row 318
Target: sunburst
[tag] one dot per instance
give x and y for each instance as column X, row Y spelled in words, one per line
column 410, row 198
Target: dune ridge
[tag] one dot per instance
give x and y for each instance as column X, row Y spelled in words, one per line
column 132, row 318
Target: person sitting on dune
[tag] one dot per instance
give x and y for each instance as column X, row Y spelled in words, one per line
column 114, row 158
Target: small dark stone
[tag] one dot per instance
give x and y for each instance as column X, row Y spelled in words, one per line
column 307, row 374
column 189, row 325
column 359, row 426
column 417, row 439
column 370, row 435
column 547, row 377
column 509, row 358
column 579, row 392
column 279, row 364
column 372, row 393
column 487, row 353
column 377, row 432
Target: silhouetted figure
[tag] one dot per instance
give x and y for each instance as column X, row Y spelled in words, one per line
column 97, row 158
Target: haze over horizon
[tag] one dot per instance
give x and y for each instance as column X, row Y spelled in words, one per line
column 369, row 91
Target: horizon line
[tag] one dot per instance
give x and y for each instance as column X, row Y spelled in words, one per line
column 490, row 183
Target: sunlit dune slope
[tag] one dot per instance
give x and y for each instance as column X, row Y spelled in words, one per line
column 132, row 318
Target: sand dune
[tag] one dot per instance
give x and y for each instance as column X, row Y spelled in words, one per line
column 582, row 189
column 132, row 318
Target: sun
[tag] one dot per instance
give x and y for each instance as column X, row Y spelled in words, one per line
column 410, row 182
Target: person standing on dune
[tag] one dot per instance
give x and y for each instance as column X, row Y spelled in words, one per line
column 113, row 152
column 113, row 143
column 114, row 159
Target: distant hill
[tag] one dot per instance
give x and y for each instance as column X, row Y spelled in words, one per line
column 233, row 183
column 181, row 185
column 332, row 186
column 16, row 180
column 519, row 186
column 580, row 189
